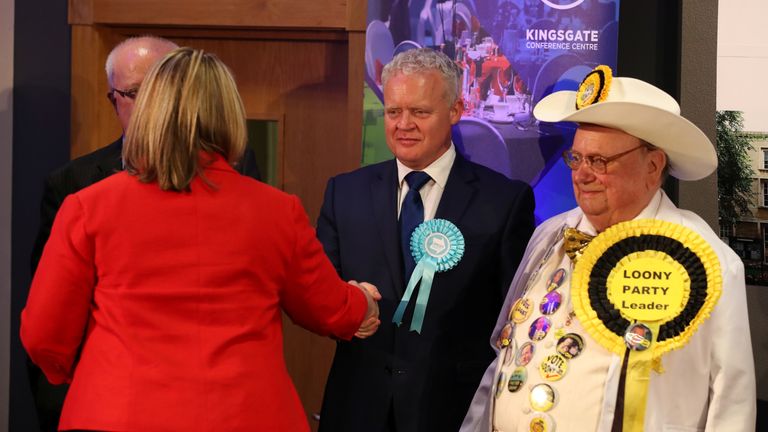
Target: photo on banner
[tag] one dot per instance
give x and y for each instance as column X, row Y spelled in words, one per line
column 512, row 53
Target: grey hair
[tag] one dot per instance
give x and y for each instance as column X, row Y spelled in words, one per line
column 424, row 60
column 151, row 43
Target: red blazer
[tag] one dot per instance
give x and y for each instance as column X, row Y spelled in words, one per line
column 163, row 309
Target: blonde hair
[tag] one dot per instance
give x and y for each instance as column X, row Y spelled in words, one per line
column 188, row 104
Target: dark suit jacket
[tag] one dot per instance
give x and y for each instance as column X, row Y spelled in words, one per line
column 70, row 178
column 427, row 378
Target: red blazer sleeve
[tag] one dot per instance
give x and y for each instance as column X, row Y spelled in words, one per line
column 54, row 320
column 314, row 296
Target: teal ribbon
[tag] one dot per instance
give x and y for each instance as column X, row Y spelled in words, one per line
column 428, row 262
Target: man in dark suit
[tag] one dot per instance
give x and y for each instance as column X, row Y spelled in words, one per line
column 126, row 66
column 401, row 380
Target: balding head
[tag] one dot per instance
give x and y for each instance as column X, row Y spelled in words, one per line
column 126, row 67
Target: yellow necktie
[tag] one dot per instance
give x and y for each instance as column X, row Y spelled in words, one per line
column 575, row 242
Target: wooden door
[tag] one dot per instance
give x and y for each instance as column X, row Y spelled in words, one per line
column 308, row 81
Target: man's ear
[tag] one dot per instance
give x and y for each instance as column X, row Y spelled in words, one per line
column 657, row 160
column 457, row 109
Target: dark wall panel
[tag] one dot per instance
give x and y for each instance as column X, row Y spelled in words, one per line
column 40, row 144
column 649, row 49
column 649, row 42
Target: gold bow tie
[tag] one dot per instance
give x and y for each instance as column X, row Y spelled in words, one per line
column 575, row 242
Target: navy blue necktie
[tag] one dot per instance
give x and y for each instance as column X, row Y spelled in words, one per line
column 411, row 215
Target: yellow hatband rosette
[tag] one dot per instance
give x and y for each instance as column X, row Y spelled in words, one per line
column 645, row 284
column 594, row 87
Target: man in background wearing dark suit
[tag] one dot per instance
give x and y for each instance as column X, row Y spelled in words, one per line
column 401, row 380
column 126, row 66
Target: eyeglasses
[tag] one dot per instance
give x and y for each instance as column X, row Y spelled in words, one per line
column 128, row 94
column 599, row 164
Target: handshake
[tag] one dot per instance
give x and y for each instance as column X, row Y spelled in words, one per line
column 371, row 321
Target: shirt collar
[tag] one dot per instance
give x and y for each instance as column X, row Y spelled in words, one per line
column 438, row 170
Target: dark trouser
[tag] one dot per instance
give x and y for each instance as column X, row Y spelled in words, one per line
column 49, row 398
column 391, row 425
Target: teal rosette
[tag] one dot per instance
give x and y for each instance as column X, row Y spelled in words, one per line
column 437, row 245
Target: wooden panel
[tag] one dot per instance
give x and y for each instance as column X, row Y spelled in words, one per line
column 225, row 13
column 94, row 123
column 234, row 34
column 356, row 68
column 306, row 81
column 357, row 14
column 310, row 80
column 80, row 11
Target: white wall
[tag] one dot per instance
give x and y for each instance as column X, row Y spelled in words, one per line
column 742, row 60
column 6, row 145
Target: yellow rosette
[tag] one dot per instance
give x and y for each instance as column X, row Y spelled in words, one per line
column 641, row 289
column 594, row 87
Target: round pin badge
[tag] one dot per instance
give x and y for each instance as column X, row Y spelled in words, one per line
column 517, row 379
column 556, row 279
column 550, row 303
column 539, row 328
column 553, row 367
column 510, row 352
column 521, row 310
column 638, row 337
column 570, row 345
column 525, row 354
column 541, row 422
column 500, row 383
column 542, row 397
column 504, row 336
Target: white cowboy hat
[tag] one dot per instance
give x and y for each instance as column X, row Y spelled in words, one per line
column 639, row 109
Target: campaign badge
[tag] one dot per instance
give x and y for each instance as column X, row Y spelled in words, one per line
column 553, row 367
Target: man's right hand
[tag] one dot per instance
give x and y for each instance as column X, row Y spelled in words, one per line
column 371, row 322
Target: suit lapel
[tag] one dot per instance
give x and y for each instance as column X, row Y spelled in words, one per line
column 456, row 198
column 458, row 191
column 384, row 197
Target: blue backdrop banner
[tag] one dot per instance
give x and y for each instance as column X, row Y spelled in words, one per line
column 512, row 53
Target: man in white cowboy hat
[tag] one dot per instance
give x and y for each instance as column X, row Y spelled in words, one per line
column 630, row 136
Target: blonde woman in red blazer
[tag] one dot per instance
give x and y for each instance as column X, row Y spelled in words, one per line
column 160, row 291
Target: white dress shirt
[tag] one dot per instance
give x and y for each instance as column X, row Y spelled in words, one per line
column 433, row 190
